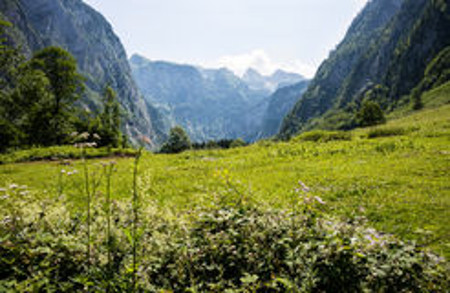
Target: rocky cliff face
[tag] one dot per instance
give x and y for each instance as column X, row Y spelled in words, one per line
column 86, row 34
column 383, row 57
column 324, row 87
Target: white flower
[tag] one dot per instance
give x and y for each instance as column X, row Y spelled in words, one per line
column 319, row 200
column 304, row 187
column 6, row 220
column 13, row 186
column 84, row 135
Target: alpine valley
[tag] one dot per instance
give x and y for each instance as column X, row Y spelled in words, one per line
column 215, row 104
column 128, row 174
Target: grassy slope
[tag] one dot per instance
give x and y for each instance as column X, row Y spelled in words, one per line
column 400, row 183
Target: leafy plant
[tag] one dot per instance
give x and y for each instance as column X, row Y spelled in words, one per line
column 386, row 131
column 323, row 136
column 177, row 142
column 370, row 114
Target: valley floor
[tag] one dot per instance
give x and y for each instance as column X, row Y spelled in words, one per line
column 398, row 179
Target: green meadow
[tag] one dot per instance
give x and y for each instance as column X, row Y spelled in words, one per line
column 395, row 175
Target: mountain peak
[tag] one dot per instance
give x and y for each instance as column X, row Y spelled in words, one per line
column 269, row 84
column 252, row 73
column 138, row 59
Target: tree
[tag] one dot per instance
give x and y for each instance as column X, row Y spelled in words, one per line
column 10, row 134
column 110, row 120
column 370, row 114
column 33, row 98
column 238, row 143
column 416, row 99
column 60, row 67
column 177, row 142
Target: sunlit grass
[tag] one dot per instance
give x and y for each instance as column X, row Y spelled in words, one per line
column 400, row 183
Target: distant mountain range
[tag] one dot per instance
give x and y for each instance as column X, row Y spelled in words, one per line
column 211, row 103
column 269, row 84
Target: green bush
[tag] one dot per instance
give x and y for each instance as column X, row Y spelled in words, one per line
column 324, row 136
column 61, row 153
column 238, row 143
column 238, row 248
column 384, row 132
column 177, row 142
column 370, row 114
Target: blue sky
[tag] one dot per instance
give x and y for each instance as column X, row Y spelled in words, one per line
column 294, row 35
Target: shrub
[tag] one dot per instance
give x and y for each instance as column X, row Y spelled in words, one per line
column 238, row 143
column 178, row 141
column 383, row 132
column 225, row 247
column 61, row 153
column 278, row 251
column 370, row 114
column 324, row 136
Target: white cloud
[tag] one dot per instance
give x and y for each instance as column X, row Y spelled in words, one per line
column 258, row 59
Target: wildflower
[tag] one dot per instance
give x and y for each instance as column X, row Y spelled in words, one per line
column 304, row 187
column 96, row 136
column 319, row 200
column 13, row 186
column 4, row 197
column 63, row 171
column 2, row 189
column 6, row 220
column 84, row 135
column 85, row 145
column 74, row 134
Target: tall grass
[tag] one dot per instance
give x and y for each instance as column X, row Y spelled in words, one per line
column 109, row 169
column 136, row 206
column 234, row 245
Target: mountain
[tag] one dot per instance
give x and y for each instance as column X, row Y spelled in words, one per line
column 269, row 84
column 279, row 105
column 208, row 103
column 383, row 56
column 86, row 34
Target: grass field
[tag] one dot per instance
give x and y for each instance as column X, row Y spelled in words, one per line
column 399, row 179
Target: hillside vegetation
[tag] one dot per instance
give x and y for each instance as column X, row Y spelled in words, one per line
column 244, row 202
column 100, row 55
column 395, row 174
column 374, row 63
